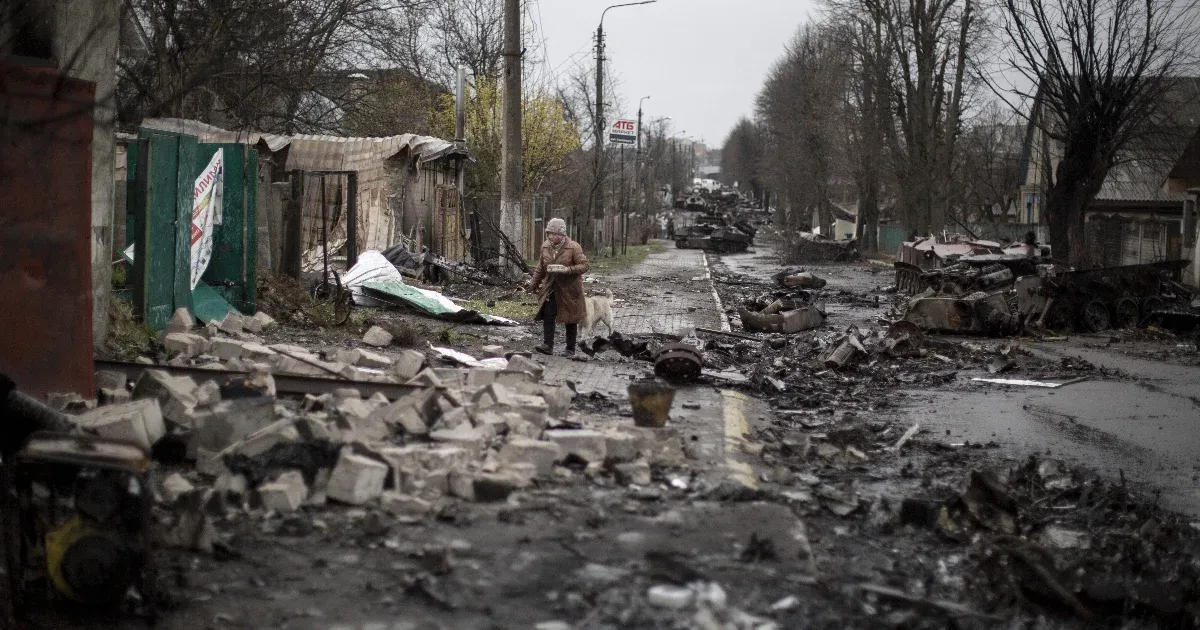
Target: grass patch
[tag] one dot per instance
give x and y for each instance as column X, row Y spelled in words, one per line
column 634, row 254
column 127, row 337
column 522, row 310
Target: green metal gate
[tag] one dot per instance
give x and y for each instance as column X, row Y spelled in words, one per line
column 162, row 170
column 162, row 173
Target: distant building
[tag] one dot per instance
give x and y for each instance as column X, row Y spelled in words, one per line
column 1139, row 214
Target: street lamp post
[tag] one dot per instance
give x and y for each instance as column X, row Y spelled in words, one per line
column 600, row 126
column 637, row 181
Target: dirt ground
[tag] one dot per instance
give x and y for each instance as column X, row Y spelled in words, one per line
column 867, row 497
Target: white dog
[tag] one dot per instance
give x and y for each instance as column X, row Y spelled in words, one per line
column 599, row 309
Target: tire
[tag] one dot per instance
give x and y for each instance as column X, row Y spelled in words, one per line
column 1126, row 313
column 1151, row 304
column 1095, row 316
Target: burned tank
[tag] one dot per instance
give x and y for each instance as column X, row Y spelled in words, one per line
column 713, row 238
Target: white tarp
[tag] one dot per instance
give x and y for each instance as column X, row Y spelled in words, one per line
column 206, row 212
column 371, row 266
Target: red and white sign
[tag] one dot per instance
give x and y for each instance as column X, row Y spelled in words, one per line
column 623, row 132
column 206, row 212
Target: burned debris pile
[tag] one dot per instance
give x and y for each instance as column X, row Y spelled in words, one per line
column 1051, row 538
column 975, row 287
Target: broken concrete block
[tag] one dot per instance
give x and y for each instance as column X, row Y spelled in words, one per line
column 497, row 421
column 356, row 479
column 522, row 364
column 496, row 487
column 468, row 439
column 590, row 446
column 231, row 485
column 405, row 505
column 181, row 322
column 267, row 438
column 353, row 409
column 232, row 324
column 286, row 494
column 161, row 385
column 114, row 396
column 455, row 378
column 256, row 351
column 372, row 360
column 347, row 356
column 377, row 337
column 315, row 427
column 434, row 484
column 493, row 351
column 524, row 473
column 636, row 473
column 462, row 484
column 110, row 379
column 208, row 395
column 210, row 463
column 558, row 401
column 264, row 321
column 378, row 399
column 479, row 378
column 514, row 378
column 542, row 455
column 621, row 447
column 184, row 344
column 231, row 421
column 174, row 487
column 139, row 422
column 227, row 349
column 427, row 378
column 407, row 364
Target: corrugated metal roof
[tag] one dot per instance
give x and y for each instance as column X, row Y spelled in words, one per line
column 320, row 152
column 1138, row 180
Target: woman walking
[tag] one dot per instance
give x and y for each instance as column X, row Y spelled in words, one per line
column 559, row 278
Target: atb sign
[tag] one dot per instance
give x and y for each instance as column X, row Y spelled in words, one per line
column 623, row 132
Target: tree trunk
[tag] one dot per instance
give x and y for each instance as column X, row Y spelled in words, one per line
column 1077, row 181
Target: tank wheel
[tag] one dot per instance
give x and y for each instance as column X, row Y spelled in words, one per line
column 1127, row 313
column 1095, row 317
column 1151, row 304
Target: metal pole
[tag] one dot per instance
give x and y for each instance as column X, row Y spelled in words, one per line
column 324, row 236
column 510, row 178
column 351, row 219
column 460, row 129
column 598, row 184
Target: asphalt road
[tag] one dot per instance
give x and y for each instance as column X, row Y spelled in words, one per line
column 1147, row 427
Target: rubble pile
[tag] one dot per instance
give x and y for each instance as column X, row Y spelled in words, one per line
column 458, row 434
column 1054, row 538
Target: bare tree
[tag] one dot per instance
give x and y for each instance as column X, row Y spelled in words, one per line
column 742, row 156
column 988, row 173
column 263, row 64
column 799, row 111
column 1102, row 72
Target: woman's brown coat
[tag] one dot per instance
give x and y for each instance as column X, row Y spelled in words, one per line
column 567, row 287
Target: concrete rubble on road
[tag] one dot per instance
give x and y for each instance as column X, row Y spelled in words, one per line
column 459, row 434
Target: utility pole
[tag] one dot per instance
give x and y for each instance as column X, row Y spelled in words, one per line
column 511, row 172
column 460, row 127
column 600, row 126
column 637, row 178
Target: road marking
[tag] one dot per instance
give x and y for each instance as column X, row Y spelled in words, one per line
column 736, row 429
column 725, row 327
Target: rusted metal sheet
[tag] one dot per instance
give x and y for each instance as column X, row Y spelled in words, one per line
column 45, row 230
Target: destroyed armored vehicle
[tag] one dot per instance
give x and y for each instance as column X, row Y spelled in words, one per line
column 1096, row 300
column 721, row 239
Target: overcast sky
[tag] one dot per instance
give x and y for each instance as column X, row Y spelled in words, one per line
column 701, row 61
